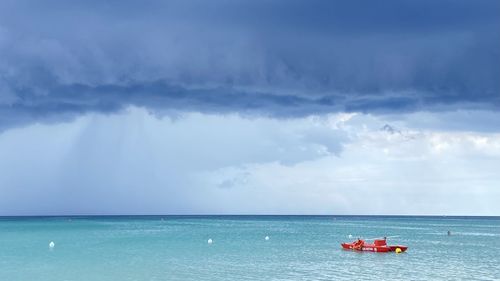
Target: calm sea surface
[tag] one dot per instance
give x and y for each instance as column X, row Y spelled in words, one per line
column 299, row 248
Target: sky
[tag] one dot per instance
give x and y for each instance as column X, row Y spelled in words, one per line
column 250, row 107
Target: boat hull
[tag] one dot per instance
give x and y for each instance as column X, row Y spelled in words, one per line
column 373, row 248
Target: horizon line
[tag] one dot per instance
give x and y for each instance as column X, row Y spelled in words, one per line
column 245, row 215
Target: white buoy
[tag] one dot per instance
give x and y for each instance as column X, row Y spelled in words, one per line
column 350, row 236
column 210, row 241
column 267, row 238
column 52, row 244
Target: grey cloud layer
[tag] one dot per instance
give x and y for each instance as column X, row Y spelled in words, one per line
column 277, row 58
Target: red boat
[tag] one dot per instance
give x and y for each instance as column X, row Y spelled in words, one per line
column 379, row 245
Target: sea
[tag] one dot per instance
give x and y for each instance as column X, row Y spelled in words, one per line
column 137, row 248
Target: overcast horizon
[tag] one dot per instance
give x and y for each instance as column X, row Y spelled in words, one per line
column 250, row 107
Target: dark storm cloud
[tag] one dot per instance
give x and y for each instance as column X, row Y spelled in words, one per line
column 276, row 58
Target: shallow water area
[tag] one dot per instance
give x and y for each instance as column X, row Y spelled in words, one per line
column 298, row 248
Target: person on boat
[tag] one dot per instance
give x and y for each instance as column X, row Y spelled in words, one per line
column 358, row 245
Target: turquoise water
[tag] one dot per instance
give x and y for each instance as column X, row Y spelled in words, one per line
column 299, row 248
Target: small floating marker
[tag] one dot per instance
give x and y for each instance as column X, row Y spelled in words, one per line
column 52, row 244
column 398, row 250
column 350, row 236
column 266, row 238
column 210, row 241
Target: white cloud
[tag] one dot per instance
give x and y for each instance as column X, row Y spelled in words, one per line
column 133, row 162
